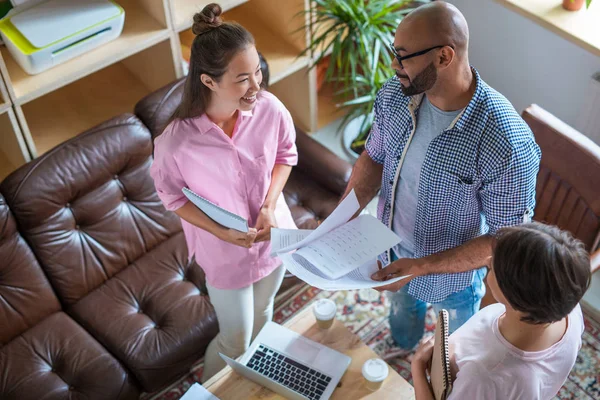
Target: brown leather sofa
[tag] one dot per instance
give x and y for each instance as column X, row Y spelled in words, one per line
column 97, row 297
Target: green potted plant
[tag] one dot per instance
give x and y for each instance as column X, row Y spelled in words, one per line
column 575, row 5
column 354, row 37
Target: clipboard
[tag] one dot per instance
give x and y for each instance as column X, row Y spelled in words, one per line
column 441, row 378
column 218, row 214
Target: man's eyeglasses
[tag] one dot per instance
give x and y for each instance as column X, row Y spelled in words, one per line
column 406, row 57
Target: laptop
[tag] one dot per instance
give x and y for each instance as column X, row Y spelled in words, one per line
column 291, row 365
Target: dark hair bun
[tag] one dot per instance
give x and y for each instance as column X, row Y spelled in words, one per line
column 207, row 19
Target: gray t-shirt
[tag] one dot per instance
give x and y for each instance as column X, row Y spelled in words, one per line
column 431, row 122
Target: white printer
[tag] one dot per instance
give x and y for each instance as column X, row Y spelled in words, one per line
column 43, row 33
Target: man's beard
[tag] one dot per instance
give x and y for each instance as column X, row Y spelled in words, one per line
column 422, row 82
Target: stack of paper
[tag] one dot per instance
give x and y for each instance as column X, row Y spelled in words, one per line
column 338, row 254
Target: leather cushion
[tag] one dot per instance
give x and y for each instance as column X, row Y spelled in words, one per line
column 57, row 359
column 25, row 294
column 309, row 202
column 568, row 184
column 156, row 109
column 153, row 315
column 88, row 208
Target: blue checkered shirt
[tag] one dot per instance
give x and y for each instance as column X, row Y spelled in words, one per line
column 478, row 176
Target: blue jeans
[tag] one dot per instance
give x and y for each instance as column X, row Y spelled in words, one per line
column 407, row 314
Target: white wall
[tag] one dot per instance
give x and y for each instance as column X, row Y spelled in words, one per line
column 526, row 62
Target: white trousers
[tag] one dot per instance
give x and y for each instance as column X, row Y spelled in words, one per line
column 241, row 314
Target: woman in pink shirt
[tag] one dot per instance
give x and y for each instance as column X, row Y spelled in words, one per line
column 233, row 144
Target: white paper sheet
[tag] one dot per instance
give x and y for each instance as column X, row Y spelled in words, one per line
column 282, row 238
column 343, row 212
column 198, row 392
column 357, row 279
column 349, row 246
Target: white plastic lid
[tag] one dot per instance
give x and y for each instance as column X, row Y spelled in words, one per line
column 375, row 370
column 325, row 309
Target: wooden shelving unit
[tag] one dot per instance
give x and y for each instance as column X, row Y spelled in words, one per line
column 59, row 115
column 13, row 150
column 38, row 112
column 327, row 111
column 141, row 31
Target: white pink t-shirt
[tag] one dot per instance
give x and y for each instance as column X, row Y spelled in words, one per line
column 489, row 367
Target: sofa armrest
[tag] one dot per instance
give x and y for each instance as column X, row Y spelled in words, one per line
column 156, row 109
column 321, row 164
column 595, row 261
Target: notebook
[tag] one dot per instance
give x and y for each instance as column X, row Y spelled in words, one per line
column 216, row 213
column 441, row 379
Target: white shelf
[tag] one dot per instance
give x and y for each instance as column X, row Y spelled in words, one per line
column 140, row 32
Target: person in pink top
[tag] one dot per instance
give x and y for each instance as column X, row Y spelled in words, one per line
column 233, row 144
column 525, row 346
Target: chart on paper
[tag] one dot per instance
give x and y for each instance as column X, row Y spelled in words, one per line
column 349, row 246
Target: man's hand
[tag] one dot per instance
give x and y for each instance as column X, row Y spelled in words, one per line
column 264, row 223
column 401, row 267
column 238, row 238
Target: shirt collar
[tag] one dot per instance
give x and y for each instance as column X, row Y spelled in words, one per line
column 204, row 124
column 466, row 114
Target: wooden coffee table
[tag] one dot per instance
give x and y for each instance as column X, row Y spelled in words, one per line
column 227, row 385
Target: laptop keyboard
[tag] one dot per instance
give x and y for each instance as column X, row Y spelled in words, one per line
column 289, row 373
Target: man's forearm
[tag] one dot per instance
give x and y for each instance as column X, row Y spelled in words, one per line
column 365, row 179
column 471, row 255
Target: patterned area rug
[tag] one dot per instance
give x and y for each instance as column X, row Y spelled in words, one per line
column 365, row 312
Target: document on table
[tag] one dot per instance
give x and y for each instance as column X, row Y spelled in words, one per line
column 198, row 392
column 338, row 254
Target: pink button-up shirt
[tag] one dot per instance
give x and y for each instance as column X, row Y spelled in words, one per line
column 234, row 173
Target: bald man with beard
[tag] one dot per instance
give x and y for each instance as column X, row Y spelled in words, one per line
column 455, row 163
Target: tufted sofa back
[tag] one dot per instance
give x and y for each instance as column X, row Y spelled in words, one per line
column 88, row 207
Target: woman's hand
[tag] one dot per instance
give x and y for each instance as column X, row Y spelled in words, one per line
column 264, row 223
column 422, row 358
column 238, row 238
column 418, row 368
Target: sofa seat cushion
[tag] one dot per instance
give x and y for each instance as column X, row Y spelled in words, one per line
column 57, row 359
column 153, row 315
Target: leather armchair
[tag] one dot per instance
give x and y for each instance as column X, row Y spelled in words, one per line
column 568, row 183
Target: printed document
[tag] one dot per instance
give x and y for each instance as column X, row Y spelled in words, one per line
column 339, row 254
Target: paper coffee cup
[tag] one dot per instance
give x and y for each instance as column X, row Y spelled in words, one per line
column 374, row 371
column 324, row 310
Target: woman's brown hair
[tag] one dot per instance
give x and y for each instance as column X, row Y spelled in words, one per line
column 542, row 271
column 215, row 44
